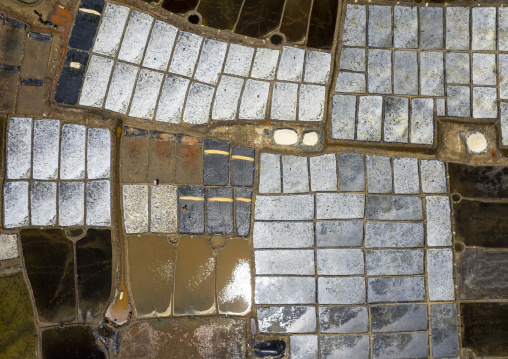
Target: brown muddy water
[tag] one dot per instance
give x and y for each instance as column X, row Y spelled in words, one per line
column 194, row 278
column 234, row 288
column 151, row 264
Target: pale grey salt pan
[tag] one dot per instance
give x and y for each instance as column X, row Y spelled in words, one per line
column 163, row 209
column 380, row 71
column 458, row 99
column 457, row 68
column 295, row 174
column 484, row 102
column 433, row 176
column 352, row 58
column 283, row 235
column 135, row 38
column 323, row 170
column 369, row 118
column 288, row 319
column 43, row 203
column 431, row 27
column 394, row 262
column 99, row 153
column 291, row 64
column 15, row 204
column 317, row 67
column 71, row 204
column 379, row 174
column 239, row 60
column 457, row 28
column 254, row 99
column 311, row 103
column 439, row 232
column 340, row 261
column 185, row 54
column 211, row 61
column 396, row 122
column 199, row 101
column 304, row 347
column 135, row 208
column 405, row 29
column 265, row 64
column 440, row 274
column 504, row 123
column 484, row 69
column 341, row 290
column 96, row 81
column 405, row 175
column 121, row 87
column 343, row 319
column 343, row 117
column 111, row 29
column 281, row 262
column 284, row 208
column 422, row 121
column 355, row 25
column 227, row 96
column 394, row 234
column 284, row 100
column 146, row 93
column 484, row 29
column 285, row 290
column 72, row 152
column 45, row 151
column 431, row 74
column 269, row 173
column 340, row 205
column 405, row 73
column 350, row 82
column 98, row 203
column 19, row 148
column 160, row 46
column 339, row 233
column 503, row 29
column 380, row 26
column 171, row 100
column 345, row 346
column 503, row 76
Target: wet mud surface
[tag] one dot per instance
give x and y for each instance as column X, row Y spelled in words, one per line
column 185, row 338
column 75, row 342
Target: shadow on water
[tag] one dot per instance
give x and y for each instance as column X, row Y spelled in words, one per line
column 93, row 256
column 75, row 342
column 49, row 263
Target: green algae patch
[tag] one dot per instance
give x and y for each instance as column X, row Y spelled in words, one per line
column 19, row 336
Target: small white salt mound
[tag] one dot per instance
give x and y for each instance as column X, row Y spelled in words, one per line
column 476, row 142
column 285, row 137
column 310, row 139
